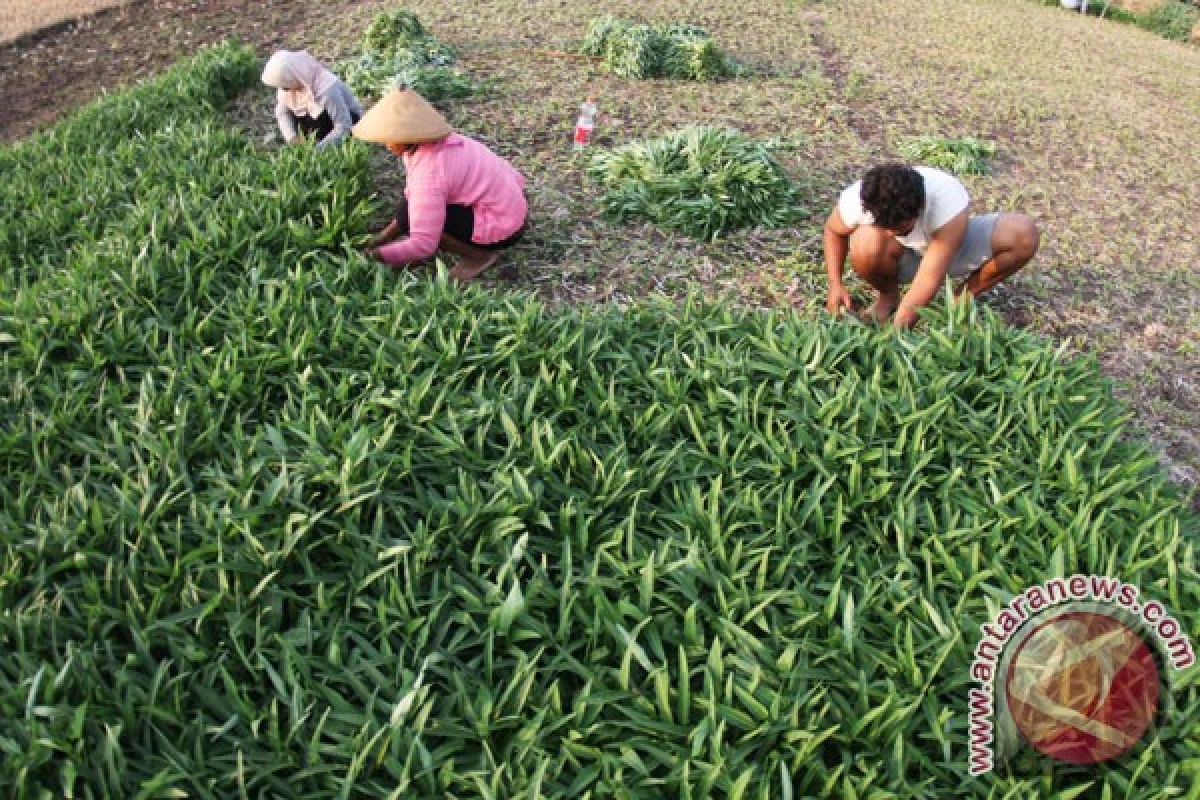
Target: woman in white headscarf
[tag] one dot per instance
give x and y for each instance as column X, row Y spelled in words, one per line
column 310, row 100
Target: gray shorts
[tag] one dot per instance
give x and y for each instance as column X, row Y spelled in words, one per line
column 976, row 249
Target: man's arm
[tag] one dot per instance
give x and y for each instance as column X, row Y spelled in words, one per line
column 836, row 241
column 931, row 273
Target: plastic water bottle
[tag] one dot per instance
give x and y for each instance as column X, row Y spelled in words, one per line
column 586, row 123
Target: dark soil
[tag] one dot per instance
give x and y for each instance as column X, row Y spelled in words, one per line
column 47, row 73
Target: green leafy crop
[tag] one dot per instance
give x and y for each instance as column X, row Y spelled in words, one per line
column 398, row 52
column 965, row 156
column 701, row 181
column 397, row 28
column 642, row 51
column 275, row 523
column 1172, row 19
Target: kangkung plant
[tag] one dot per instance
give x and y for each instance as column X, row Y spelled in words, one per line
column 275, row 523
column 399, row 53
column 965, row 156
column 632, row 50
column 702, row 181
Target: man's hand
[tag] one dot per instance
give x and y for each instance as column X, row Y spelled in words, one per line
column 838, row 300
column 906, row 316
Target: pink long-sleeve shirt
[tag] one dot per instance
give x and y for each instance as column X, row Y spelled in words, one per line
column 457, row 171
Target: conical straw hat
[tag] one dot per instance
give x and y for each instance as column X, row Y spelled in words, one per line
column 402, row 117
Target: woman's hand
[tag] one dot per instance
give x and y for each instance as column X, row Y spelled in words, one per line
column 386, row 236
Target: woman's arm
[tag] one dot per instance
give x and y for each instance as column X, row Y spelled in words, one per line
column 426, row 219
column 336, row 105
column 287, row 123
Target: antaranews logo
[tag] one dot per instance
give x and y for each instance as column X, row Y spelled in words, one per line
column 1072, row 667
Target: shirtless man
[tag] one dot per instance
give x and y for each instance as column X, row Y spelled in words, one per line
column 903, row 224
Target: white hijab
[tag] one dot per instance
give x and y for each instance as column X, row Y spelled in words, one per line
column 300, row 79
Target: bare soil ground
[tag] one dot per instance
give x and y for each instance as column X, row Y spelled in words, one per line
column 1095, row 124
column 47, row 73
column 18, row 17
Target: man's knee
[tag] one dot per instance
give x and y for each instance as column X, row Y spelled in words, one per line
column 874, row 250
column 1021, row 236
column 1028, row 236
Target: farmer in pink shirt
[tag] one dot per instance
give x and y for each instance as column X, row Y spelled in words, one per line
column 460, row 196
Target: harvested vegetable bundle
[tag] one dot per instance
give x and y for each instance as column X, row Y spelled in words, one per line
column 399, row 53
column 643, row 51
column 701, row 181
column 370, row 75
column 965, row 156
column 396, row 29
